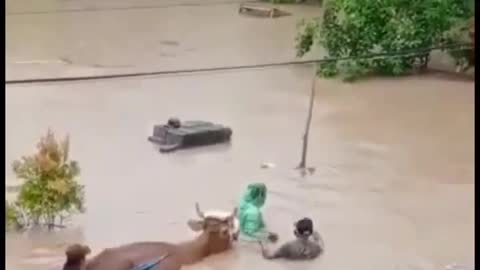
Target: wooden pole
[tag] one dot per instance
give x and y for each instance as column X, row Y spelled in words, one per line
column 303, row 161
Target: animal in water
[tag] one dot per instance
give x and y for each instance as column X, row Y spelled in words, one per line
column 76, row 257
column 306, row 246
column 216, row 235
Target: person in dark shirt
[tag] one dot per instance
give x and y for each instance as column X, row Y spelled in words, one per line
column 307, row 245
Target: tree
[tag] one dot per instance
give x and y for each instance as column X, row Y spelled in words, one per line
column 49, row 192
column 359, row 27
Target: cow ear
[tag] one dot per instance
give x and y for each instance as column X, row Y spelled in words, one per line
column 196, row 225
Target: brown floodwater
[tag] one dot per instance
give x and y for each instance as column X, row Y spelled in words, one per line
column 393, row 187
column 394, row 181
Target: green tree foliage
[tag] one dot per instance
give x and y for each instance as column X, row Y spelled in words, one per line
column 49, row 192
column 289, row 1
column 462, row 32
column 359, row 27
column 13, row 218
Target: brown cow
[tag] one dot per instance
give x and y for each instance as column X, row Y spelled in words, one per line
column 216, row 236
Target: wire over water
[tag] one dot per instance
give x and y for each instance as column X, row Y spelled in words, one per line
column 406, row 53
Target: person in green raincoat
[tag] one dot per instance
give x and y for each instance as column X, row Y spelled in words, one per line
column 250, row 215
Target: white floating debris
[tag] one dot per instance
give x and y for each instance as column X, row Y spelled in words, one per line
column 267, row 165
column 455, row 266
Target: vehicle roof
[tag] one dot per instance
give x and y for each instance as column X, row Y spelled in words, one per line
column 192, row 127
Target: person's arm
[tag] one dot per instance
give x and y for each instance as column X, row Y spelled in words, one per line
column 316, row 236
column 270, row 236
column 263, row 235
column 279, row 253
column 318, row 239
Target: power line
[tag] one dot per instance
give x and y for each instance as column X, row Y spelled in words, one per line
column 406, row 53
column 103, row 9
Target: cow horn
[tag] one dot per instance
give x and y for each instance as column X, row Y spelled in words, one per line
column 199, row 212
column 234, row 212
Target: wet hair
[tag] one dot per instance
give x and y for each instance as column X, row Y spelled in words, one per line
column 304, row 227
column 76, row 255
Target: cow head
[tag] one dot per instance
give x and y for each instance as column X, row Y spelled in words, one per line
column 219, row 227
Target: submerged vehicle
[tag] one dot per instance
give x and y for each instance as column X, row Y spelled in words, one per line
column 176, row 134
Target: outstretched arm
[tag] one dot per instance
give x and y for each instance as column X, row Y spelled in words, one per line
column 316, row 236
column 318, row 239
column 264, row 235
column 279, row 253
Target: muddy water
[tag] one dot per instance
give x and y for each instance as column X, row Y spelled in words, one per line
column 393, row 187
column 125, row 36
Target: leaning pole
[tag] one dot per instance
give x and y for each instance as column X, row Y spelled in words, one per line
column 303, row 161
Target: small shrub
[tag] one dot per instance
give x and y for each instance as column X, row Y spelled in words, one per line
column 49, row 192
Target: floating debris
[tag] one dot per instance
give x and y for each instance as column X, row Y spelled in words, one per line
column 267, row 165
column 261, row 11
column 175, row 135
column 455, row 266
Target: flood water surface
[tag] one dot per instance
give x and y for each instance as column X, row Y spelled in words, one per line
column 392, row 189
column 394, row 158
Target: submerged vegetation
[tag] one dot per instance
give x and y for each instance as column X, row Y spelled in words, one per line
column 462, row 32
column 351, row 28
column 49, row 192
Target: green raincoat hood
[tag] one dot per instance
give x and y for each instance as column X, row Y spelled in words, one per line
column 256, row 194
column 250, row 215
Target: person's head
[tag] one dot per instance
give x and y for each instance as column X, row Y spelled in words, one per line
column 256, row 193
column 76, row 255
column 217, row 230
column 303, row 228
